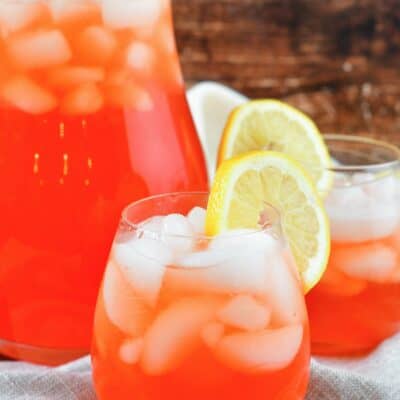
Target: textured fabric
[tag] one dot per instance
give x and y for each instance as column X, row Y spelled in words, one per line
column 21, row 381
column 375, row 377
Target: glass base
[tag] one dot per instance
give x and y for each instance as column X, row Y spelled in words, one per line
column 39, row 355
column 340, row 350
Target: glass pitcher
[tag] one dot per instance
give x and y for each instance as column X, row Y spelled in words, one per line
column 93, row 115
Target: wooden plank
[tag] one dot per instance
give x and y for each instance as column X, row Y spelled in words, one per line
column 338, row 60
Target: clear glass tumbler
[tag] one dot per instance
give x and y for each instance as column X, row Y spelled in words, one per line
column 181, row 315
column 357, row 303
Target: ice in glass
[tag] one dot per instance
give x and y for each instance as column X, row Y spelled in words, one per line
column 181, row 315
column 93, row 115
column 357, row 303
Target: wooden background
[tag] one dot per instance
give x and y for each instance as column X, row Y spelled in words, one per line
column 338, row 60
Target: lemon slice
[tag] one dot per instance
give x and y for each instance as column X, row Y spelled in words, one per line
column 245, row 184
column 273, row 125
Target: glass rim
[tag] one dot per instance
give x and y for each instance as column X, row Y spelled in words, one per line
column 267, row 228
column 352, row 168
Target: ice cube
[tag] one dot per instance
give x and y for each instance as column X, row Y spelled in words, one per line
column 374, row 262
column 69, row 76
column 82, row 100
column 130, row 350
column 357, row 216
column 175, row 333
column 231, row 239
column 383, row 189
column 143, row 263
column 234, row 263
column 178, row 233
column 284, row 294
column 151, row 228
column 134, row 14
column 219, row 272
column 244, row 312
column 202, row 259
column 140, row 57
column 362, row 178
column 26, row 95
column 246, row 269
column 129, row 95
column 337, row 283
column 345, row 198
column 39, row 49
column 96, row 45
column 182, row 280
column 250, row 240
column 361, row 228
column 193, row 273
column 18, row 15
column 259, row 352
column 212, row 333
column 69, row 10
column 123, row 306
column 197, row 219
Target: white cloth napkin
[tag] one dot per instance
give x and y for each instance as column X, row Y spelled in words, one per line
column 374, row 377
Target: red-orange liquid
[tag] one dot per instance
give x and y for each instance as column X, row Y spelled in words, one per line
column 201, row 376
column 65, row 178
column 350, row 315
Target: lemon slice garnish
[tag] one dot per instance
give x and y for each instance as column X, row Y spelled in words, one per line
column 245, row 184
column 277, row 126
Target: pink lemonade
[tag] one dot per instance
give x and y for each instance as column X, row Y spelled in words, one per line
column 356, row 305
column 181, row 316
column 366, row 308
column 93, row 115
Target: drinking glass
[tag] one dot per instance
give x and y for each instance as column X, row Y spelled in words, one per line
column 357, row 303
column 181, row 315
column 93, row 115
